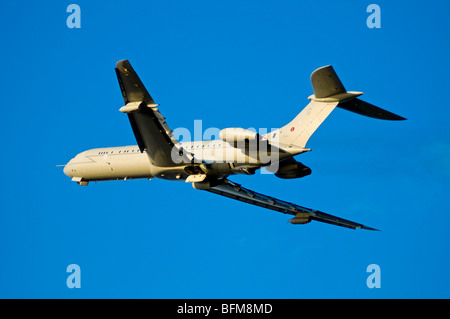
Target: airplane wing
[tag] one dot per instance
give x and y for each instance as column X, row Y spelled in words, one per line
column 302, row 214
column 149, row 127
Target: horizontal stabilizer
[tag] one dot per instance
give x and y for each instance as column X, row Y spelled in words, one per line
column 328, row 87
column 363, row 108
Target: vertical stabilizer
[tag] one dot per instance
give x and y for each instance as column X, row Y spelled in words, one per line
column 326, row 83
column 329, row 92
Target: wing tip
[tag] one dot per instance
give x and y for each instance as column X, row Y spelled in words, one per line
column 368, row 228
column 122, row 62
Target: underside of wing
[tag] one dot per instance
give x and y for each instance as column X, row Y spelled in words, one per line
column 149, row 127
column 302, row 215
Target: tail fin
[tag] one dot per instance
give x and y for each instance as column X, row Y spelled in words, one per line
column 328, row 93
column 326, row 83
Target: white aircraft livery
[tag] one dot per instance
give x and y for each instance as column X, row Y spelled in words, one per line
column 208, row 164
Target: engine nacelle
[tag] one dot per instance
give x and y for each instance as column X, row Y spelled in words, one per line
column 202, row 185
column 237, row 134
column 293, row 170
column 205, row 183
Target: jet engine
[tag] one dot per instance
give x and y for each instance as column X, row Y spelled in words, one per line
column 237, row 134
column 292, row 170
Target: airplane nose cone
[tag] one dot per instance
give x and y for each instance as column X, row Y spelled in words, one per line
column 67, row 169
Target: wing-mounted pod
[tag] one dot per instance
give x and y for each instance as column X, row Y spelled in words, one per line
column 136, row 106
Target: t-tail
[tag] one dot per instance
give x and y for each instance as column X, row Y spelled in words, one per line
column 328, row 94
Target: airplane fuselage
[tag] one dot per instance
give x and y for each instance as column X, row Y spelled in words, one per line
column 219, row 158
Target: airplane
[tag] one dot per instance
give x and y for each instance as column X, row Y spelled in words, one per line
column 208, row 164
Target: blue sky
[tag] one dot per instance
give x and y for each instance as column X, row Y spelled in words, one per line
column 230, row 64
